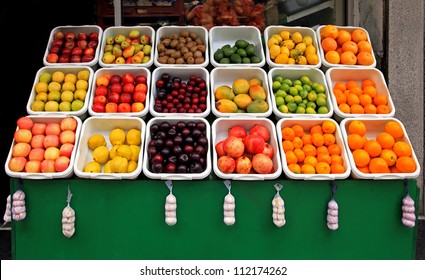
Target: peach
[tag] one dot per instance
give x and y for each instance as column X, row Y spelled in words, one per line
column 17, row 164
column 33, row 166
column 226, row 164
column 68, row 123
column 260, row 130
column 38, row 129
column 219, row 149
column 67, row 136
column 51, row 153
column 47, row 166
column 268, row 150
column 238, row 131
column 24, row 123
column 37, row 141
column 233, row 146
column 66, row 149
column 61, row 163
column 254, row 144
column 137, row 107
column 36, row 154
column 243, row 165
column 262, row 163
column 21, row 149
column 53, row 129
column 51, row 140
column 22, row 135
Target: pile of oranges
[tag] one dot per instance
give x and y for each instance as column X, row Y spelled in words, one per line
column 387, row 153
column 341, row 46
column 312, row 151
column 360, row 98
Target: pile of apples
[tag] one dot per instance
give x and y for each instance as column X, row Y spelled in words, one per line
column 41, row 147
column 245, row 152
column 120, row 93
column 70, row 47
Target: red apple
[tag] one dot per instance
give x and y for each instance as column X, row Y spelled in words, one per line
column 38, row 129
column 128, row 78
column 53, row 129
column 69, row 45
column 75, row 59
column 82, row 36
column 98, row 107
column 87, row 58
column 47, row 166
column 101, row 99
column 70, row 36
column 113, row 97
column 36, row 154
column 25, row 122
column 140, row 79
column 126, row 97
column 68, row 123
column 57, row 43
column 61, row 163
column 94, row 36
column 115, row 79
column 66, row 52
column 37, row 141
column 101, row 90
column 82, row 44
column 139, row 96
column 55, row 49
column 59, row 35
column 111, row 107
column 124, row 108
column 64, row 58
column 89, row 51
column 77, row 51
column 66, row 149
column 116, row 87
column 128, row 87
column 52, row 58
column 92, row 44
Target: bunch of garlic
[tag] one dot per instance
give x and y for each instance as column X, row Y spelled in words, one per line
column 332, row 217
column 18, row 206
column 408, row 219
column 68, row 221
column 8, row 214
column 229, row 209
column 278, row 211
column 170, row 210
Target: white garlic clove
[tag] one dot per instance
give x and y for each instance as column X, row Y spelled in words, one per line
column 68, row 220
column 332, row 219
column 68, row 212
column 19, row 216
column 332, row 204
column 7, row 218
column 332, row 212
column 170, row 207
column 229, row 198
column 281, row 210
column 279, row 223
column 408, row 209
column 68, row 233
column 18, row 203
column 170, row 214
column 408, row 223
column 19, row 195
column 229, row 220
column 332, row 226
column 229, row 214
column 407, row 200
column 409, row 216
column 8, row 199
column 229, row 206
column 18, row 209
column 171, row 199
column 278, row 201
column 66, row 226
column 170, row 221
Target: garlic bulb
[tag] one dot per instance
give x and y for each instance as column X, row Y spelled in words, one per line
column 408, row 219
column 18, row 206
column 170, row 210
column 332, row 217
column 68, row 221
column 229, row 209
column 278, row 211
column 8, row 213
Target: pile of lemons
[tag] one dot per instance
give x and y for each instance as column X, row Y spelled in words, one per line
column 123, row 155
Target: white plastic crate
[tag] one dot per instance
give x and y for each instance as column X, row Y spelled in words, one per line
column 125, row 30
column 219, row 132
column 69, row 172
column 103, row 126
column 315, row 75
column 307, row 124
column 200, row 31
column 345, row 74
column 226, row 75
column 121, row 71
column 223, row 35
column 373, row 127
column 82, row 113
column 176, row 176
column 305, row 31
column 184, row 74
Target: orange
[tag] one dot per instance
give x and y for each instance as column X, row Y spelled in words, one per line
column 355, row 141
column 361, row 158
column 405, row 164
column 343, row 36
column 365, row 99
column 324, row 158
column 306, row 139
column 382, row 109
column 373, row 148
column 287, row 146
column 328, row 126
column 389, row 156
column 385, row 139
column 332, row 57
column 299, row 154
column 337, row 168
column 357, row 109
column 336, row 159
column 298, row 129
column 334, row 149
column 288, row 133
column 350, row 46
column 297, row 142
column 329, row 44
column 345, row 108
column 364, row 169
column 322, row 150
column 340, row 97
column 378, row 165
column 340, row 86
column 295, row 168
column 364, row 46
column 358, row 35
column 350, row 84
column 353, row 99
column 369, row 90
column 316, row 129
column 312, row 160
column 395, row 129
column 358, row 127
column 357, row 91
column 370, row 109
column 329, row 139
column 330, row 31
column 394, row 169
column 317, row 139
column 401, row 149
column 323, row 168
column 308, row 169
column 364, row 58
column 366, row 83
column 339, row 51
column 309, row 150
column 348, row 58
column 290, row 157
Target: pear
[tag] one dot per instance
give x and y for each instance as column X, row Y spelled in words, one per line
column 125, row 44
column 128, row 52
column 119, row 38
column 147, row 49
column 108, row 48
column 134, row 34
column 110, row 40
column 137, row 48
column 108, row 57
column 135, row 59
column 141, row 54
column 120, row 60
column 117, row 51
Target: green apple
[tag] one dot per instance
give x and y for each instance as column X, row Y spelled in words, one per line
column 51, row 106
column 77, row 105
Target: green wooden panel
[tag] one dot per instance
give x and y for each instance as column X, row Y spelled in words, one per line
column 125, row 220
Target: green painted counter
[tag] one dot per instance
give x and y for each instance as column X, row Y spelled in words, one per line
column 125, row 220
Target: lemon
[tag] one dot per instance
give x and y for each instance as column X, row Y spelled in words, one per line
column 133, row 137
column 124, row 151
column 92, row 167
column 135, row 150
column 107, row 167
column 101, row 154
column 119, row 164
column 117, row 136
column 96, row 140
column 132, row 166
column 113, row 151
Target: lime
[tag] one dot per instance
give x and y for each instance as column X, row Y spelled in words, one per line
column 300, row 110
column 292, row 107
column 302, row 104
column 322, row 110
column 293, row 91
column 320, row 88
column 279, row 101
column 281, row 93
column 288, row 81
column 285, row 86
column 298, row 87
column 305, row 80
column 312, row 96
column 283, row 108
column 276, row 85
column 311, row 104
column 303, row 93
column 298, row 99
column 314, row 85
column 278, row 79
column 307, row 88
column 297, row 82
column 322, row 95
column 289, row 99
column 320, row 101
column 310, row 110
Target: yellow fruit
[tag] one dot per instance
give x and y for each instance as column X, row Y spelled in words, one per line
column 274, row 51
column 132, row 166
column 101, row 154
column 301, row 60
column 291, row 60
column 133, row 137
column 70, row 77
column 289, row 44
column 308, row 40
column 310, row 50
column 284, row 50
column 135, row 151
column 301, row 47
column 92, row 167
column 83, row 75
column 41, row 87
column 54, row 86
column 297, row 37
column 119, row 164
column 124, row 151
column 82, row 84
column 96, row 140
column 282, row 58
column 294, row 53
column 312, row 58
column 113, row 151
column 107, row 167
column 117, row 136
column 286, row 35
column 272, row 41
column 58, row 76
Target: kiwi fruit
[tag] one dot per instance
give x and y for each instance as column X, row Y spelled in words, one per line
column 202, row 48
column 190, row 60
column 171, row 60
column 184, row 33
column 180, row 60
column 166, row 42
column 193, row 35
column 199, row 41
column 161, row 48
column 173, row 43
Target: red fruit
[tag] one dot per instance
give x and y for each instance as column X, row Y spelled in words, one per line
column 219, row 149
column 128, row 78
column 243, row 165
column 261, row 131
column 268, row 150
column 233, row 146
column 98, row 108
column 116, row 87
column 226, row 164
column 262, row 163
column 140, row 79
column 254, row 144
column 128, row 87
column 100, row 99
column 101, row 90
column 124, row 108
column 238, row 131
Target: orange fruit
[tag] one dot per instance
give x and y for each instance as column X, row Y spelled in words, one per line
column 324, row 158
column 357, row 127
column 366, row 83
column 364, row 46
column 329, row 139
column 378, row 165
column 348, row 58
column 373, row 148
column 401, row 149
column 322, row 150
column 355, row 141
column 290, row 157
column 370, row 109
column 353, row 99
column 350, row 84
column 385, row 139
column 316, row 129
column 295, row 168
column 382, row 109
column 288, row 133
column 340, row 86
column 287, row 146
column 336, row 159
column 299, row 154
column 328, row 126
column 297, row 142
column 329, row 44
column 312, row 160
column 317, row 139
column 309, row 150
column 370, row 90
column 343, row 36
column 323, row 168
column 345, row 108
column 350, row 46
column 298, row 129
column 306, row 139
column 334, row 149
column 308, row 169
column 330, row 31
column 364, row 58
column 361, row 157
column 405, row 164
column 358, row 35
column 339, row 51
column 340, row 97
column 389, row 156
column 365, row 99
column 357, row 109
column 357, row 91
column 337, row 168
column 394, row 169
column 364, row 169
column 332, row 57
column 394, row 128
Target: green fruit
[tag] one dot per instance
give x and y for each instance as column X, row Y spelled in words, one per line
column 283, row 108
column 323, row 110
column 241, row 44
column 320, row 101
column 284, row 86
column 255, row 59
column 77, row 105
column 298, row 99
column 300, row 110
column 310, row 110
column 279, row 101
column 250, row 50
column 246, row 60
column 241, row 53
column 65, row 106
column 228, row 52
column 225, row 60
column 45, row 77
column 218, row 55
column 227, row 46
column 276, row 85
column 292, row 107
column 288, row 82
column 278, row 79
column 235, row 58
